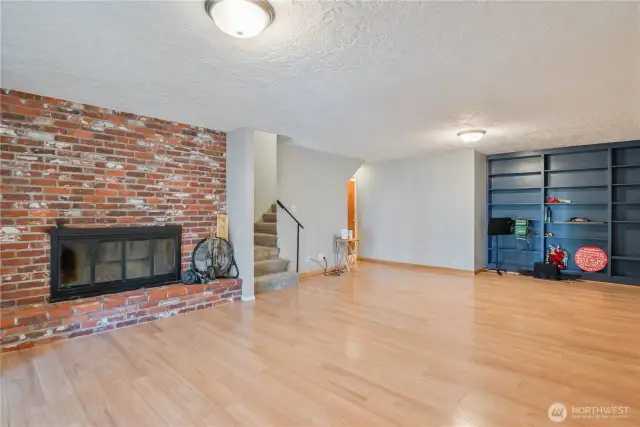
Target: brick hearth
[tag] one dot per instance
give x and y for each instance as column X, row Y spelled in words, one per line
column 84, row 166
column 27, row 326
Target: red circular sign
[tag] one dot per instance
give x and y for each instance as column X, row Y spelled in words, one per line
column 591, row 259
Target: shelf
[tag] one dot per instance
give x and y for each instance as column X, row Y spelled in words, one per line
column 513, row 250
column 510, row 235
column 515, row 157
column 626, row 203
column 626, row 258
column 576, row 238
column 578, row 223
column 569, row 204
column 515, row 174
column 569, row 187
column 627, row 222
column 627, row 280
column 514, row 189
column 577, row 169
column 517, row 204
column 572, row 272
column 634, row 184
column 503, row 265
column 585, row 274
column 627, row 166
column 523, row 219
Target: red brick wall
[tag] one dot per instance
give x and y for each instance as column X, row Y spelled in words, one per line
column 26, row 326
column 88, row 166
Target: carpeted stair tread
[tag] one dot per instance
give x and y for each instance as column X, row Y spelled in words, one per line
column 270, row 217
column 270, row 266
column 266, row 227
column 277, row 281
column 265, row 239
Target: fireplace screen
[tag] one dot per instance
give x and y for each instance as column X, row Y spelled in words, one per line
column 89, row 262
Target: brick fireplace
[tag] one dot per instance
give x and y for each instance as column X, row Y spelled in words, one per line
column 78, row 166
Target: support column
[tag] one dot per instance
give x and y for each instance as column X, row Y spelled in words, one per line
column 240, row 201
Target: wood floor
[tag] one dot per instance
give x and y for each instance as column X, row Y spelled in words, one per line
column 383, row 346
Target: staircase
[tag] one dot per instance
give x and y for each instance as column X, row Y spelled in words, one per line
column 270, row 271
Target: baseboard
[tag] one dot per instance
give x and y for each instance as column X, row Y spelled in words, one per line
column 431, row 268
column 249, row 298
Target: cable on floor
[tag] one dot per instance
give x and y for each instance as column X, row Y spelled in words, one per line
column 335, row 272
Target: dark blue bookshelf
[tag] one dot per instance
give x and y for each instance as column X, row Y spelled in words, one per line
column 603, row 184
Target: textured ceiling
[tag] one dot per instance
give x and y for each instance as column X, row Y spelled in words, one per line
column 364, row 79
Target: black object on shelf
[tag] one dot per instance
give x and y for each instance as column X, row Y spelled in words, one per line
column 500, row 226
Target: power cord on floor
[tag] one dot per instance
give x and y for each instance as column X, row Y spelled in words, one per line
column 335, row 272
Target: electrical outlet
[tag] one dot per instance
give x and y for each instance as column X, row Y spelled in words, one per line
column 320, row 256
column 294, row 209
column 308, row 258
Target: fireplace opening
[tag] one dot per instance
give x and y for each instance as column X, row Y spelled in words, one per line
column 89, row 262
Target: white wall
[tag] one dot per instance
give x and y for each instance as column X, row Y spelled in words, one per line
column 480, row 202
column 419, row 210
column 240, row 194
column 265, row 152
column 316, row 184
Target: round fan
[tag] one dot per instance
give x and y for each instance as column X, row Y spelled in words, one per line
column 213, row 258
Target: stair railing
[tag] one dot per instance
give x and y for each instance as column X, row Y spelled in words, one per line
column 300, row 226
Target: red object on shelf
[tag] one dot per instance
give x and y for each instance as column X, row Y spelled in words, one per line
column 591, row 259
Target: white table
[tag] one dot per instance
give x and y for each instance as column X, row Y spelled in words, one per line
column 347, row 252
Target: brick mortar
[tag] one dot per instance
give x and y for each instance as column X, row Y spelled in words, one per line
column 28, row 326
column 88, row 166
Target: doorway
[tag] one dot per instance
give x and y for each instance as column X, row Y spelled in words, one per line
column 351, row 205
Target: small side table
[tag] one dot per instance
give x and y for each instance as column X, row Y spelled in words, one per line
column 347, row 252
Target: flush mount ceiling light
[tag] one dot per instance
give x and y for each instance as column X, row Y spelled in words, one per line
column 240, row 18
column 471, row 135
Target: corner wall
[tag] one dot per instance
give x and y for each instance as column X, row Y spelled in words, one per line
column 240, row 203
column 422, row 210
column 480, row 203
column 265, row 155
column 316, row 184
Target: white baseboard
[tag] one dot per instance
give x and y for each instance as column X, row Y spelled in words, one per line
column 249, row 298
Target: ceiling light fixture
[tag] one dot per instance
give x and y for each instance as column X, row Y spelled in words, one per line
column 471, row 135
column 240, row 18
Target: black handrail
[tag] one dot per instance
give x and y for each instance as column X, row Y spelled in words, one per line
column 298, row 229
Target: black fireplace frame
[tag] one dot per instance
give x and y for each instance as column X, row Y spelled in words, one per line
column 112, row 234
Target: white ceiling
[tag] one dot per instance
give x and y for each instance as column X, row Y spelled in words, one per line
column 364, row 79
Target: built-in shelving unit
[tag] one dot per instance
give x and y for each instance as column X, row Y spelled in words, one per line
column 602, row 182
